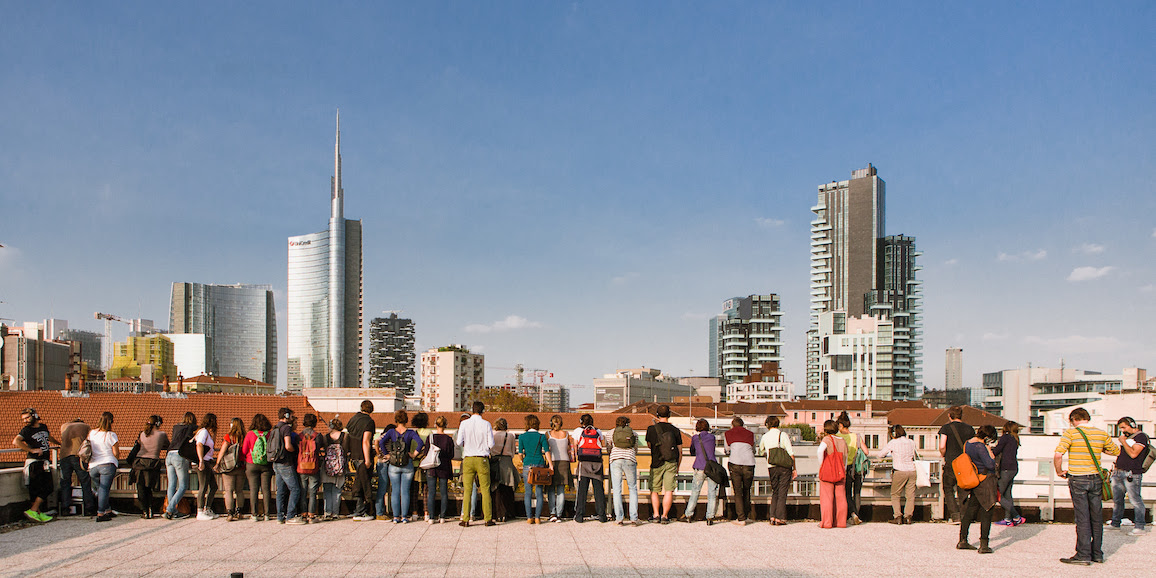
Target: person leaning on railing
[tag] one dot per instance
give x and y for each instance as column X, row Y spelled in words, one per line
column 103, row 465
column 902, row 451
column 775, row 445
column 35, row 439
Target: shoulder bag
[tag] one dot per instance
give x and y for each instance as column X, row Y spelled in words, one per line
column 778, row 456
column 833, row 470
column 713, row 469
column 432, row 457
column 1105, row 478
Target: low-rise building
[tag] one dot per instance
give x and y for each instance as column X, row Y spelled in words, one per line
column 1106, row 411
column 765, row 384
column 626, row 386
column 1024, row 395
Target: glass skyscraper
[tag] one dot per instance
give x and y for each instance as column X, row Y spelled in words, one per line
column 324, row 298
column 240, row 322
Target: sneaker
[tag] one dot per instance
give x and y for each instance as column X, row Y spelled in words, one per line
column 296, row 521
column 181, row 516
column 168, row 515
column 104, row 517
column 554, row 519
column 1019, row 520
column 739, row 522
column 429, row 520
column 32, row 515
column 205, row 515
column 43, row 517
column 1075, row 560
column 383, row 518
column 362, row 518
column 1136, row 532
column 255, row 518
column 441, row 520
column 664, row 520
column 1005, row 523
column 653, row 519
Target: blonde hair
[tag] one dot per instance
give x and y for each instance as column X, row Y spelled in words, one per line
column 556, row 423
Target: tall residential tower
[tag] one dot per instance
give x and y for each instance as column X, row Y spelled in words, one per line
column 392, row 357
column 324, row 298
column 746, row 335
column 859, row 271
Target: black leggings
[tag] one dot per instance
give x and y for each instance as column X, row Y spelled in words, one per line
column 208, row 483
column 260, row 477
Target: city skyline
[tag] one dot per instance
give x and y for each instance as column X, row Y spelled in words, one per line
column 568, row 186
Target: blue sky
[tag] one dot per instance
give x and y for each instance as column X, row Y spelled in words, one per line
column 606, row 174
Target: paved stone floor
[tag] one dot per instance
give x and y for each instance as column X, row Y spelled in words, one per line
column 129, row 546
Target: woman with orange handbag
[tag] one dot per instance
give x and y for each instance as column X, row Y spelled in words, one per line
column 832, row 477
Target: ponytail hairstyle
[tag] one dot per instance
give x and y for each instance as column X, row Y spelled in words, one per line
column 190, row 418
column 153, row 423
column 556, row 423
column 105, row 423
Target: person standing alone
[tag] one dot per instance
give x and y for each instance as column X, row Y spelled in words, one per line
column 34, row 438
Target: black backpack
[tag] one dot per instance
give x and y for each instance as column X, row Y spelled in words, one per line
column 275, row 448
column 668, row 440
column 398, row 450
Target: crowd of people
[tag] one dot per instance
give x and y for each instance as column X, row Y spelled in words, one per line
column 310, row 470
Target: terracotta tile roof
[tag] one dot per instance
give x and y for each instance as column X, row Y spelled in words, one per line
column 222, row 379
column 131, row 410
column 937, row 417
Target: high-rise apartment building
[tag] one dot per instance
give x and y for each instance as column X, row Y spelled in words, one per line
column 325, row 298
column 449, row 377
column 239, row 323
column 953, row 368
column 391, row 353
column 29, row 361
column 857, row 270
column 746, row 335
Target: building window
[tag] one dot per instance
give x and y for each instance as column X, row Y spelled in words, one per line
column 921, row 442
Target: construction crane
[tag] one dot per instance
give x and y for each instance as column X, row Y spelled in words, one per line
column 108, row 319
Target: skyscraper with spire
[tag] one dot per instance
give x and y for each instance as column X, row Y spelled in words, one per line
column 324, row 298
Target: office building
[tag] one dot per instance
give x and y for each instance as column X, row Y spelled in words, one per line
column 854, row 357
column 626, row 386
column 555, row 398
column 192, row 354
column 238, row 324
column 392, row 354
column 746, row 335
column 29, row 362
column 1024, row 395
column 953, row 368
column 858, row 270
column 324, row 297
column 449, row 377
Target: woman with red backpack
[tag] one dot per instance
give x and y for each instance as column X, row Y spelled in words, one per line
column 590, row 471
column 832, row 477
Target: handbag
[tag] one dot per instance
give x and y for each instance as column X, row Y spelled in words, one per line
column 778, row 456
column 1105, row 478
column 833, row 470
column 541, row 476
column 713, row 469
column 85, row 454
column 432, row 457
column 922, row 473
column 132, row 454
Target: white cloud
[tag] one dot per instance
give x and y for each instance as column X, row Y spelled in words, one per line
column 1077, row 344
column 951, row 262
column 1089, row 249
column 510, row 323
column 1154, row 233
column 625, row 278
column 1088, row 273
column 1148, row 288
column 1023, row 256
column 995, row 336
column 769, row 223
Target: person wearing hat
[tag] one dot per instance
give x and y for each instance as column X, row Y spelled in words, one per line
column 35, row 439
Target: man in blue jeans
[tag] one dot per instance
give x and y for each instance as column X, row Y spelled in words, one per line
column 1127, row 475
column 1083, row 444
column 285, row 468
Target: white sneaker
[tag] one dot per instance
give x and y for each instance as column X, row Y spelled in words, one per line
column 1136, row 532
column 363, row 518
column 206, row 515
column 429, row 520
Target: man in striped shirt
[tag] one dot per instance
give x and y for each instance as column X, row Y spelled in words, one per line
column 1084, row 483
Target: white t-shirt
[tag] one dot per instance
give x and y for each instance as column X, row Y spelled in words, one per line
column 103, row 448
column 206, row 440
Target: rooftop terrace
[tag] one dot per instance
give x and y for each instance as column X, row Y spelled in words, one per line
column 130, row 546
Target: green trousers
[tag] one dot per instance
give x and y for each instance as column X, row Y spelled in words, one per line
column 479, row 468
